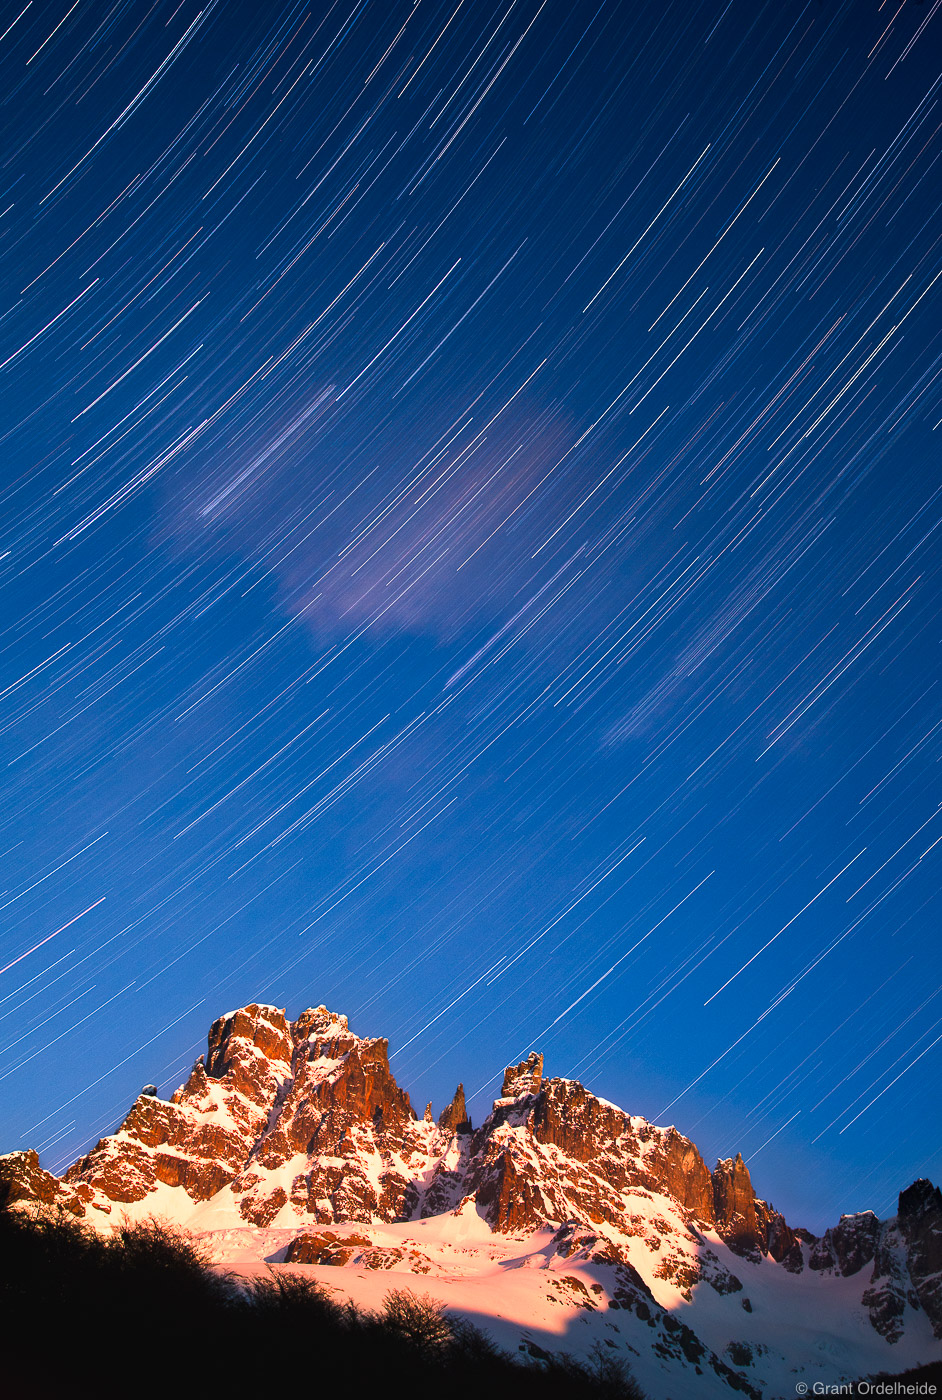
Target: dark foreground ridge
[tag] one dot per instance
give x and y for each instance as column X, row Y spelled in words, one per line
column 145, row 1308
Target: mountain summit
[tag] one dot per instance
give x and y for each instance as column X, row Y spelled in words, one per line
column 560, row 1221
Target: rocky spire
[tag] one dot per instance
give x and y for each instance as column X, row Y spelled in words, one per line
column 454, row 1118
column 734, row 1205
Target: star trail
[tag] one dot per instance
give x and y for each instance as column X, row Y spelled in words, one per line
column 470, row 535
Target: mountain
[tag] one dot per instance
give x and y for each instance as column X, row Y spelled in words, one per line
column 559, row 1223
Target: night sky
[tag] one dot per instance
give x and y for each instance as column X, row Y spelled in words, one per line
column 471, row 488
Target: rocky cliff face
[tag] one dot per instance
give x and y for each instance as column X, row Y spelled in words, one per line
column 920, row 1225
column 303, row 1115
column 300, row 1126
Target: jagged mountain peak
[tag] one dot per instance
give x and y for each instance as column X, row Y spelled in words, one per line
column 297, row 1130
column 919, row 1200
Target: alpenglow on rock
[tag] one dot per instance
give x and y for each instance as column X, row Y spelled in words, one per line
column 296, row 1133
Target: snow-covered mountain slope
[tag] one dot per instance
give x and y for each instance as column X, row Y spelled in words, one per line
column 561, row 1222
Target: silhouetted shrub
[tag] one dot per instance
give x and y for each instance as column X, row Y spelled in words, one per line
column 287, row 1295
column 417, row 1320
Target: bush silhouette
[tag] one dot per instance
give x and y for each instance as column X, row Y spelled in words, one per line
column 417, row 1320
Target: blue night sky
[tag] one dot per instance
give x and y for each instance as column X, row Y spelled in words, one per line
column 469, row 556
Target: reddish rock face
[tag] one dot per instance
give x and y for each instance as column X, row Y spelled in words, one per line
column 564, row 1155
column 201, row 1138
column 262, row 1211
column 734, row 1206
column 620, row 1152
column 454, row 1118
column 23, row 1179
column 338, row 1081
column 511, row 1200
column 247, row 1048
column 325, row 1247
column 524, row 1078
column 568, row 1117
column 678, row 1164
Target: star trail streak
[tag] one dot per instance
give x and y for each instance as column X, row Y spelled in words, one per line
column 471, row 501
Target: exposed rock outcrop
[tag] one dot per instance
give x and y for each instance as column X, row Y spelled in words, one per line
column 734, row 1207
column 848, row 1246
column 23, row 1180
column 524, row 1078
column 454, row 1118
column 920, row 1225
